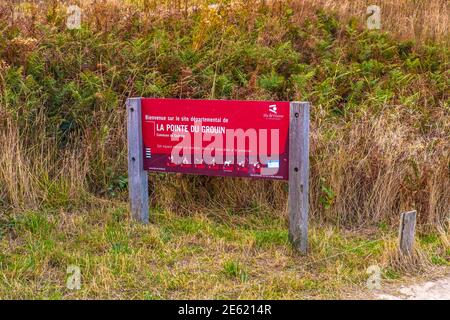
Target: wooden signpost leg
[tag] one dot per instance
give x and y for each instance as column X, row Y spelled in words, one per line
column 137, row 176
column 299, row 175
column 407, row 231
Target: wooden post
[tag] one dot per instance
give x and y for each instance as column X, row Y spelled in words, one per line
column 298, row 206
column 407, row 231
column 137, row 177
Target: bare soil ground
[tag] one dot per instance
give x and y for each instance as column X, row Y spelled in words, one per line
column 438, row 289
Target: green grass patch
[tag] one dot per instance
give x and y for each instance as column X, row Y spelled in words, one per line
column 270, row 237
column 182, row 257
column 234, row 269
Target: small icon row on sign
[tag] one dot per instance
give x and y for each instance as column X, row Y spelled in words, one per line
column 242, row 166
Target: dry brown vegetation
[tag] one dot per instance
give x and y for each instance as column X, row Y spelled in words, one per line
column 421, row 20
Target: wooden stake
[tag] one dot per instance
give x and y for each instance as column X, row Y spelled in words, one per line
column 407, row 231
column 299, row 175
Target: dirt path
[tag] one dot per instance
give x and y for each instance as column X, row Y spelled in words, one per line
column 431, row 290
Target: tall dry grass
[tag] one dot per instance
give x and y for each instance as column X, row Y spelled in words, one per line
column 34, row 173
column 382, row 166
column 420, row 20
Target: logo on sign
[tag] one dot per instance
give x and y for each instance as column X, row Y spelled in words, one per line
column 273, row 108
column 273, row 113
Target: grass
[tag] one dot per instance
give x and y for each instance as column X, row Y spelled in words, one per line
column 186, row 257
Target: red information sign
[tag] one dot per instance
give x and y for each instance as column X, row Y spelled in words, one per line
column 216, row 137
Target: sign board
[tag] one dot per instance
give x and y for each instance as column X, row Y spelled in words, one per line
column 253, row 139
column 216, row 137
